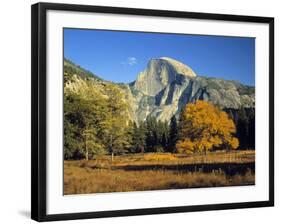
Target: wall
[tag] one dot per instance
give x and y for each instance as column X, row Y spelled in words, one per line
column 15, row 110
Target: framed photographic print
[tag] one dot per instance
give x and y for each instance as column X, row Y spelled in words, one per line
column 139, row 111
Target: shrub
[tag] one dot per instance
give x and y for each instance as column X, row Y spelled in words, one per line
column 158, row 148
column 159, row 157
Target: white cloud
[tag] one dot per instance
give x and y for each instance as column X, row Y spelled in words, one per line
column 130, row 61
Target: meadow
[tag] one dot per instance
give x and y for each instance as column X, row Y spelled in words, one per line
column 158, row 171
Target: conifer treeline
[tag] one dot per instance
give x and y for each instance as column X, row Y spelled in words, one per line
column 244, row 119
column 152, row 136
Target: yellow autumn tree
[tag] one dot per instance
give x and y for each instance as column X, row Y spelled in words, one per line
column 203, row 127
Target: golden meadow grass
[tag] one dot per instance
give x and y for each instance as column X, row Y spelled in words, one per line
column 156, row 171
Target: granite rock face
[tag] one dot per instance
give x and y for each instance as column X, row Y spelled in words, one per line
column 166, row 85
column 160, row 73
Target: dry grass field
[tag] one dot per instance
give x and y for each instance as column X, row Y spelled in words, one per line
column 156, row 171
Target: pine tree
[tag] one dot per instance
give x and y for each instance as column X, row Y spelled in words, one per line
column 173, row 134
column 243, row 128
column 138, row 138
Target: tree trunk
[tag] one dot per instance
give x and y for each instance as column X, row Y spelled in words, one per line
column 112, row 155
column 86, row 149
column 205, row 155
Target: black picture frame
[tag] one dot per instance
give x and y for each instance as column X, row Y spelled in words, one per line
column 38, row 109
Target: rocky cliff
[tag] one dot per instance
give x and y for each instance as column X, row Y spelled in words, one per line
column 166, row 85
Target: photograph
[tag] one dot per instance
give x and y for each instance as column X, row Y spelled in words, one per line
column 147, row 111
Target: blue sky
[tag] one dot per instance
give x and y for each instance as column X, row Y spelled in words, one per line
column 120, row 56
